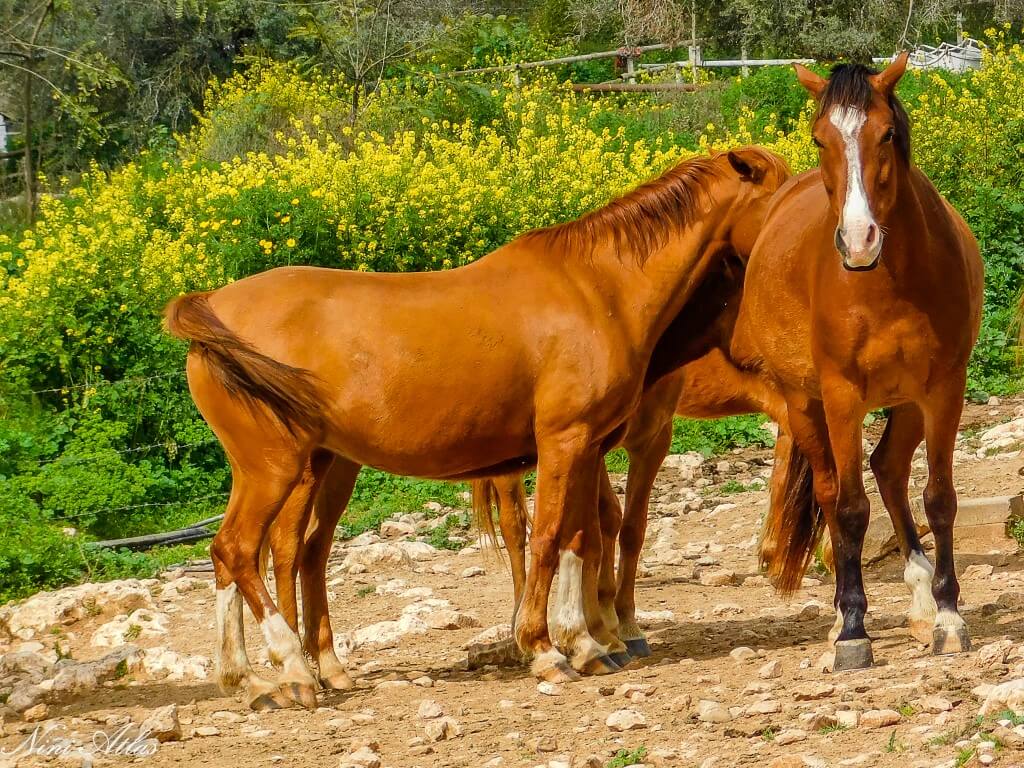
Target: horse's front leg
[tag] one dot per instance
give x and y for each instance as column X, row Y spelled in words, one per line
column 941, row 419
column 566, row 496
column 844, row 414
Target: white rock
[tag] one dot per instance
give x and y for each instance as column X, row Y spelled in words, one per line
column 442, row 728
column 789, row 736
column 626, row 720
column 163, row 663
column 66, row 606
column 429, row 709
column 143, row 622
column 391, row 529
column 771, row 670
column 1008, row 695
column 418, row 550
column 162, row 724
column 879, row 718
column 473, row 570
column 717, row 577
column 653, row 619
column 491, row 635
column 374, row 555
column 742, row 653
column 848, row 718
column 712, row 712
column 386, row 634
column 364, row 757
column 549, row 689
column 766, row 707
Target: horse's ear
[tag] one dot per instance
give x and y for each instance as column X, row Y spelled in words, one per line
column 885, row 81
column 812, row 81
column 750, row 163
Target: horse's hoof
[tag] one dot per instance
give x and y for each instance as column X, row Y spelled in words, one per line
column 267, row 702
column 950, row 640
column 337, row 682
column 853, row 654
column 559, row 672
column 622, row 658
column 601, row 665
column 922, row 630
column 638, row 649
column 302, row 694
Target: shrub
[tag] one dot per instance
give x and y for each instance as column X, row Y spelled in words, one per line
column 275, row 173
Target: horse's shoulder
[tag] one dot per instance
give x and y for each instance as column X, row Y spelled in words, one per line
column 798, row 191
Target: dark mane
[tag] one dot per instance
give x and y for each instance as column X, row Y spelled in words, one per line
column 640, row 221
column 849, row 86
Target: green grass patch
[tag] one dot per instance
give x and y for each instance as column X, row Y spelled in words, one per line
column 626, row 757
column 828, row 730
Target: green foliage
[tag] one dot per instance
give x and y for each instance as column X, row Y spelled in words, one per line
column 441, row 535
column 626, row 757
column 964, row 756
column 711, row 437
column 433, row 173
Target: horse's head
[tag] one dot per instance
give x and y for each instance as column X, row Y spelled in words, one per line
column 862, row 134
column 760, row 173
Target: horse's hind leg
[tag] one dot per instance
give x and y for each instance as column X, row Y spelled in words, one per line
column 941, row 419
column 890, row 463
column 257, row 495
column 286, row 536
column 645, row 459
column 512, row 522
column 318, row 637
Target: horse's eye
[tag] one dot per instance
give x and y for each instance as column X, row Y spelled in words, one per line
column 817, row 143
column 888, row 135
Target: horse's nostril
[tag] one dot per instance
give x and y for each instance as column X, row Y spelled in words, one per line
column 872, row 234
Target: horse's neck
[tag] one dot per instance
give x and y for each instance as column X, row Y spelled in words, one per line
column 913, row 221
column 648, row 296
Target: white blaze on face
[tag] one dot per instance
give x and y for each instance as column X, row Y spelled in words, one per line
column 857, row 226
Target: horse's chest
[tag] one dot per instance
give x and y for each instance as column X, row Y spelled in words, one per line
column 888, row 361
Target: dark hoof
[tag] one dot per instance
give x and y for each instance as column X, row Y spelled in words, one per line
column 638, row 649
column 853, row 654
column 600, row 665
column 622, row 658
column 268, row 702
column 946, row 641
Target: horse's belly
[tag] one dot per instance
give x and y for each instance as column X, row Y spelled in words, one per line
column 436, row 440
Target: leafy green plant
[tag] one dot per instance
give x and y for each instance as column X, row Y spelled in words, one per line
column 626, row 757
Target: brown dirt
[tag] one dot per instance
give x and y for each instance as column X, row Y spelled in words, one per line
column 501, row 712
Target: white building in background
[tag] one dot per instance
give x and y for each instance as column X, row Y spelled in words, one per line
column 3, row 132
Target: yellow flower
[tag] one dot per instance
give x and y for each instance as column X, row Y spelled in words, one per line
column 290, row 242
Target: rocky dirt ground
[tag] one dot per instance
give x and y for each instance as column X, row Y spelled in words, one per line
column 735, row 680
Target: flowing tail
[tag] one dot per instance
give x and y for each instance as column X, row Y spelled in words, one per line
column 487, row 498
column 290, row 393
column 794, row 523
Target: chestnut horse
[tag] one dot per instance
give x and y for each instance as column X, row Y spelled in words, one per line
column 864, row 290
column 297, row 369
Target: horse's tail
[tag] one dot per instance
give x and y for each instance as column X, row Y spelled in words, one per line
column 290, row 393
column 793, row 525
column 487, row 498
